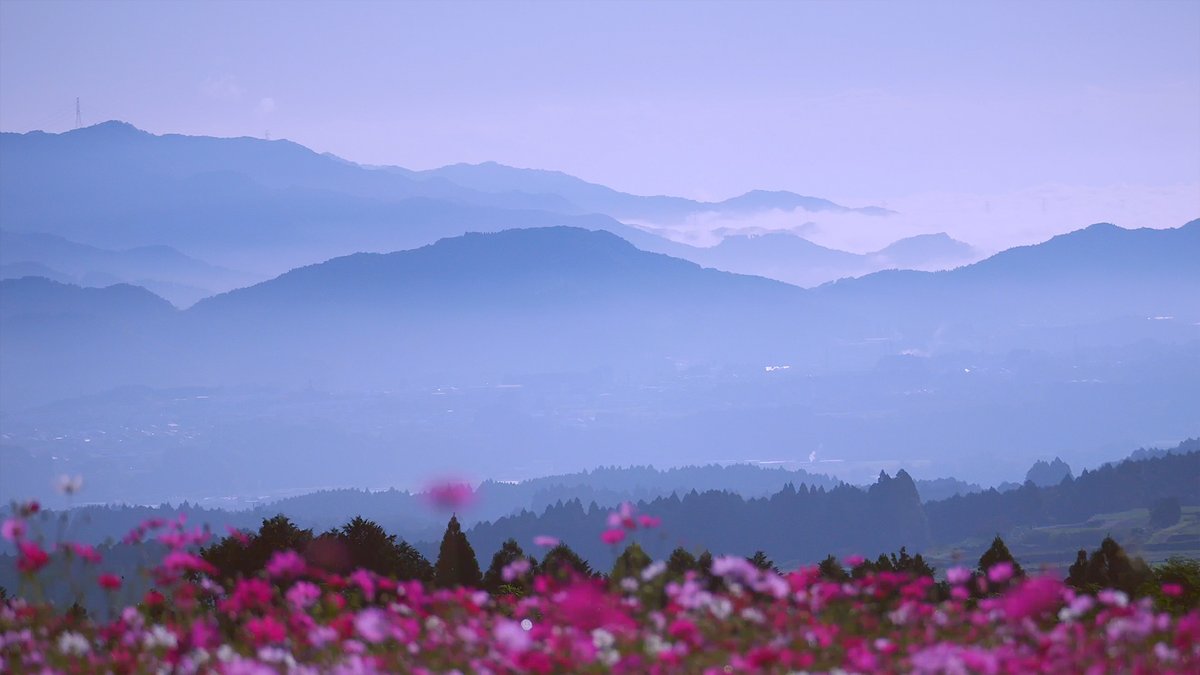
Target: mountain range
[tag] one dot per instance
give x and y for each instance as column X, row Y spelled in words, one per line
column 268, row 206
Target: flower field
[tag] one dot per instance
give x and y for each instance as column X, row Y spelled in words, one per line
column 734, row 617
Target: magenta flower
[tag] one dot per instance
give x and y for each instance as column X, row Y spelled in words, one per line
column 32, row 558
column 649, row 521
column 449, row 495
column 13, row 529
column 371, row 625
column 303, row 595
column 109, row 582
column 854, row 561
column 511, row 636
column 1172, row 590
column 958, row 576
column 1000, row 572
column 286, row 564
column 613, row 536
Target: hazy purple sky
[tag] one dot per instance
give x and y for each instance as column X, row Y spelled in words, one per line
column 1021, row 116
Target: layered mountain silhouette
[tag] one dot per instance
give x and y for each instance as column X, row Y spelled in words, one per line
column 164, row 270
column 488, row 306
column 267, row 206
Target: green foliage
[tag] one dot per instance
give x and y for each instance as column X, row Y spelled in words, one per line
column 680, row 562
column 630, row 563
column 456, row 563
column 1181, row 572
column 762, row 562
column 493, row 580
column 1109, row 567
column 370, row 547
column 234, row 559
column 562, row 562
column 831, row 569
column 997, row 553
column 1165, row 512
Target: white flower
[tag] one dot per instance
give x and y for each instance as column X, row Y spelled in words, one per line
column 73, row 644
column 225, row 654
column 629, row 584
column 653, row 569
column 602, row 639
column 159, row 636
column 753, row 615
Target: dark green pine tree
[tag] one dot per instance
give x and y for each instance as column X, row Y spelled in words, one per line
column 762, row 562
column 510, row 551
column 456, row 563
column 997, row 553
column 680, row 563
column 563, row 562
column 630, row 563
column 832, row 570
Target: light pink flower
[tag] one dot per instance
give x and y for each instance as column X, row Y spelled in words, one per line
column 958, row 576
column 371, row 624
column 13, row 529
column 1000, row 572
column 285, row 564
column 613, row 536
column 449, row 495
column 511, row 636
column 545, row 541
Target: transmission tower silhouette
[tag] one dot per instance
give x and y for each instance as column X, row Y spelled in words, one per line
column 78, row 114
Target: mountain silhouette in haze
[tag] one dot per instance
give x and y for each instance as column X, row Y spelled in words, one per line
column 267, row 206
column 166, row 271
column 569, row 300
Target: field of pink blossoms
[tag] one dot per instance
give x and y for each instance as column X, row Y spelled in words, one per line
column 294, row 618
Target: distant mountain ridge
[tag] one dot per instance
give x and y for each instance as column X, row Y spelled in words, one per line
column 566, row 299
column 242, row 201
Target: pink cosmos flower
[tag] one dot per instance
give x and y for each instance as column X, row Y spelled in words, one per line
column 371, row 624
column 854, row 561
column 32, row 557
column 179, row 561
column 266, row 630
column 86, row 551
column 649, row 521
column 302, row 595
column 958, row 576
column 545, row 541
column 13, row 529
column 1000, row 572
column 449, row 495
column 109, row 582
column 1172, row 590
column 365, row 581
column 511, row 636
column 285, row 564
column 613, row 537
column 237, row 534
column 515, row 569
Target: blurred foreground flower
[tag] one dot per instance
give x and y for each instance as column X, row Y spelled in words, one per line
column 449, row 495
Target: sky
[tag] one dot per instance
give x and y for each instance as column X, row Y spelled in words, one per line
column 999, row 122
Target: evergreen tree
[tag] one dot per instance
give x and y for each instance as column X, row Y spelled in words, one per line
column 997, row 553
column 562, row 562
column 630, row 563
column 456, row 563
column 680, row 562
column 762, row 562
column 1110, row 567
column 1165, row 512
column 510, row 551
column 233, row 559
column 832, row 570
